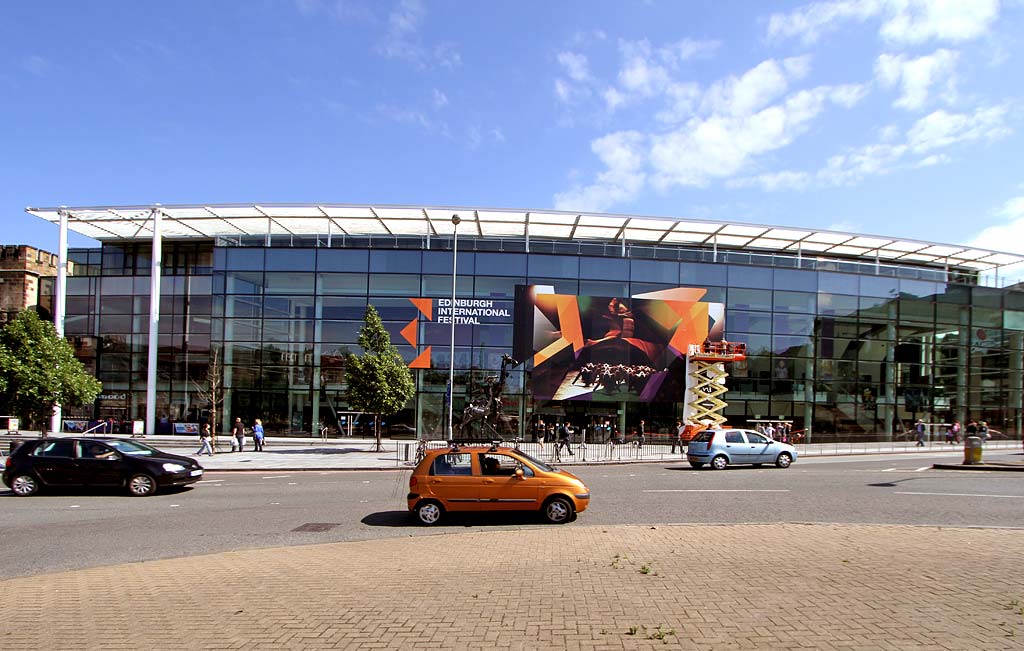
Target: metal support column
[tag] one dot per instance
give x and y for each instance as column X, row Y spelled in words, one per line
column 60, row 304
column 154, row 321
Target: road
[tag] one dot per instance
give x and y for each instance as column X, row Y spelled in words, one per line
column 234, row 511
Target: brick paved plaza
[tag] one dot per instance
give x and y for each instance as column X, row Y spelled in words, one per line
column 575, row 587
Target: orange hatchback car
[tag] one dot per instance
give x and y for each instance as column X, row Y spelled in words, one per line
column 492, row 478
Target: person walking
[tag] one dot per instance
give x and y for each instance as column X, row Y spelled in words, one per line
column 205, row 441
column 238, row 435
column 677, row 440
column 257, row 435
column 641, row 434
column 564, row 440
column 983, row 432
column 920, row 428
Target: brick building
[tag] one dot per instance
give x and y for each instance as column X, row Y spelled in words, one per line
column 26, row 280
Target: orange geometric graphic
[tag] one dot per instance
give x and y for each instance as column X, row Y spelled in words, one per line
column 422, row 360
column 424, row 305
column 409, row 332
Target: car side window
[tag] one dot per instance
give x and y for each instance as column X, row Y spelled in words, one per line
column 452, row 464
column 94, row 451
column 502, row 465
column 733, row 437
column 55, row 449
column 753, row 437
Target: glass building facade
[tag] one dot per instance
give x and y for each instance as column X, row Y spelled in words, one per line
column 847, row 349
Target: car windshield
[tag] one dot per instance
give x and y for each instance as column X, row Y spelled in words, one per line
column 540, row 465
column 132, row 448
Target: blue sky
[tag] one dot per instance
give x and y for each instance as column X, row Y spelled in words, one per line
column 892, row 117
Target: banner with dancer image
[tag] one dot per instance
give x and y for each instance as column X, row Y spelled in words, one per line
column 611, row 348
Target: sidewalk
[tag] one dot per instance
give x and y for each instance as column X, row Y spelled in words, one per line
column 290, row 453
column 588, row 588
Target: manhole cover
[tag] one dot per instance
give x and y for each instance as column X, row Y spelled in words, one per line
column 316, row 526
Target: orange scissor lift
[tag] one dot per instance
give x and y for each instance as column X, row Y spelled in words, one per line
column 705, row 381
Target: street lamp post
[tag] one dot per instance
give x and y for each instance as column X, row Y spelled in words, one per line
column 451, row 368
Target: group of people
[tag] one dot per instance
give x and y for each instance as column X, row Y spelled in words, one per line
column 612, row 377
column 238, row 432
column 561, row 433
column 781, row 431
column 953, row 431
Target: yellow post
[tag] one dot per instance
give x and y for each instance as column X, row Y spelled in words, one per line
column 972, row 450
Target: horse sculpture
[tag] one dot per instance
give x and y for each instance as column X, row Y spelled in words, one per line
column 486, row 409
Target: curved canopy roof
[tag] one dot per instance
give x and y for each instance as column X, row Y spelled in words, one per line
column 119, row 223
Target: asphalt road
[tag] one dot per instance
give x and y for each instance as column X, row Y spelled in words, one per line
column 231, row 511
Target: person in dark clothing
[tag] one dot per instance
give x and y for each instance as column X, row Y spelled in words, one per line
column 564, row 439
column 238, row 435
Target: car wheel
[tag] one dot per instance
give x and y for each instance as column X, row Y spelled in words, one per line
column 784, row 460
column 429, row 513
column 24, row 485
column 141, row 485
column 697, row 464
column 558, row 510
column 719, row 463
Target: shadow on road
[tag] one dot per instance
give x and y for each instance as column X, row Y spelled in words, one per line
column 407, row 519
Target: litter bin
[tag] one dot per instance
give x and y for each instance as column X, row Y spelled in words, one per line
column 972, row 450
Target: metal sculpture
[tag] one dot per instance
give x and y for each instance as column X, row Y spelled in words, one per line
column 486, row 408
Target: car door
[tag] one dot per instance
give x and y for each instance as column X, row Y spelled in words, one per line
column 54, row 462
column 761, row 449
column 453, row 480
column 501, row 489
column 736, row 446
column 99, row 464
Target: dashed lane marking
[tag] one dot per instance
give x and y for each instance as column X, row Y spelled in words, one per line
column 275, row 476
column 717, row 490
column 960, row 494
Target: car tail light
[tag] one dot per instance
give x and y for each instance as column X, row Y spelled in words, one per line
column 7, row 464
column 711, row 440
column 413, row 481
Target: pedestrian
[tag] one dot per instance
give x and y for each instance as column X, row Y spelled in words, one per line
column 641, row 435
column 564, row 439
column 238, row 435
column 920, row 428
column 677, row 440
column 205, row 441
column 983, row 432
column 257, row 435
column 955, row 429
column 972, row 428
column 769, row 431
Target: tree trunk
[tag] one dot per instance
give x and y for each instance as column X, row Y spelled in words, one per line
column 378, row 447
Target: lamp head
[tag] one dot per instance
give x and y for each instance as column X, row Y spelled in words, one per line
column 456, row 220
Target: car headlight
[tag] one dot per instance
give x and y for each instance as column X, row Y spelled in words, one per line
column 174, row 467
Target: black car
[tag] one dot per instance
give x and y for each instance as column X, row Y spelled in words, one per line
column 66, row 462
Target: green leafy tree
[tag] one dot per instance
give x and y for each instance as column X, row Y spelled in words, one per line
column 38, row 371
column 379, row 382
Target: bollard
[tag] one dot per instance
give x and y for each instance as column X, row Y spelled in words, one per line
column 406, row 451
column 972, row 450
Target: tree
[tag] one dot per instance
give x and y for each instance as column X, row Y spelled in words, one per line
column 379, row 382
column 38, row 371
column 213, row 391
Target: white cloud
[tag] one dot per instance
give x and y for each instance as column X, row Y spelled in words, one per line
column 622, row 155
column 848, row 95
column 903, row 21
column 784, row 180
column 688, row 49
column 641, row 74
column 941, row 129
column 37, row 65
column 915, row 77
column 1009, row 236
column 613, row 99
column 402, row 40
column 440, row 100
column 575, row 65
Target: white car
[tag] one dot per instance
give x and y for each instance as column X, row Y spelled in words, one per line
column 722, row 447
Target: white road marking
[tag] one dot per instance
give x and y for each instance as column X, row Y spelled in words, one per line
column 275, row 476
column 74, row 506
column 715, row 490
column 366, row 482
column 273, row 503
column 960, row 494
column 293, row 483
column 173, row 505
column 208, row 481
column 888, row 469
column 922, row 468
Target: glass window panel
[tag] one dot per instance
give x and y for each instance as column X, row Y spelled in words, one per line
column 879, row 286
column 442, row 286
column 200, row 304
column 837, row 304
column 440, row 262
column 78, row 304
column 986, row 297
column 986, row 318
column 394, row 285
column 342, row 283
column 284, row 307
column 112, row 286
column 916, row 311
column 636, row 288
column 116, row 305
column 654, row 271
column 241, row 377
column 743, row 321
column 742, row 276
column 800, row 281
column 714, row 295
column 80, row 286
column 1013, row 299
column 492, row 335
column 243, row 282
column 703, row 275
column 330, row 260
column 604, row 288
column 1013, row 320
column 804, row 302
column 486, row 287
column 789, row 346
column 403, row 262
column 241, row 259
column 241, row 353
column 958, row 294
column 336, row 307
column 199, row 285
column 242, row 329
column 291, row 259
column 242, row 306
column 750, row 299
column 553, row 266
column 502, row 264
column 115, row 324
column 396, row 309
column 793, row 324
column 835, row 283
column 340, row 331
column 604, row 268
column 280, row 282
column 561, row 285
column 756, row 344
column 951, row 314
column 919, row 288
column 281, row 330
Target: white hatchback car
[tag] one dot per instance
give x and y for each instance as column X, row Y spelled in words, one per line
column 722, row 447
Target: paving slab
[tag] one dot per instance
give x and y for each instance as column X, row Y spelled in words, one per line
column 747, row 586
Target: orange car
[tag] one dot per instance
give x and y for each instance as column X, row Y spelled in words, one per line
column 492, row 478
